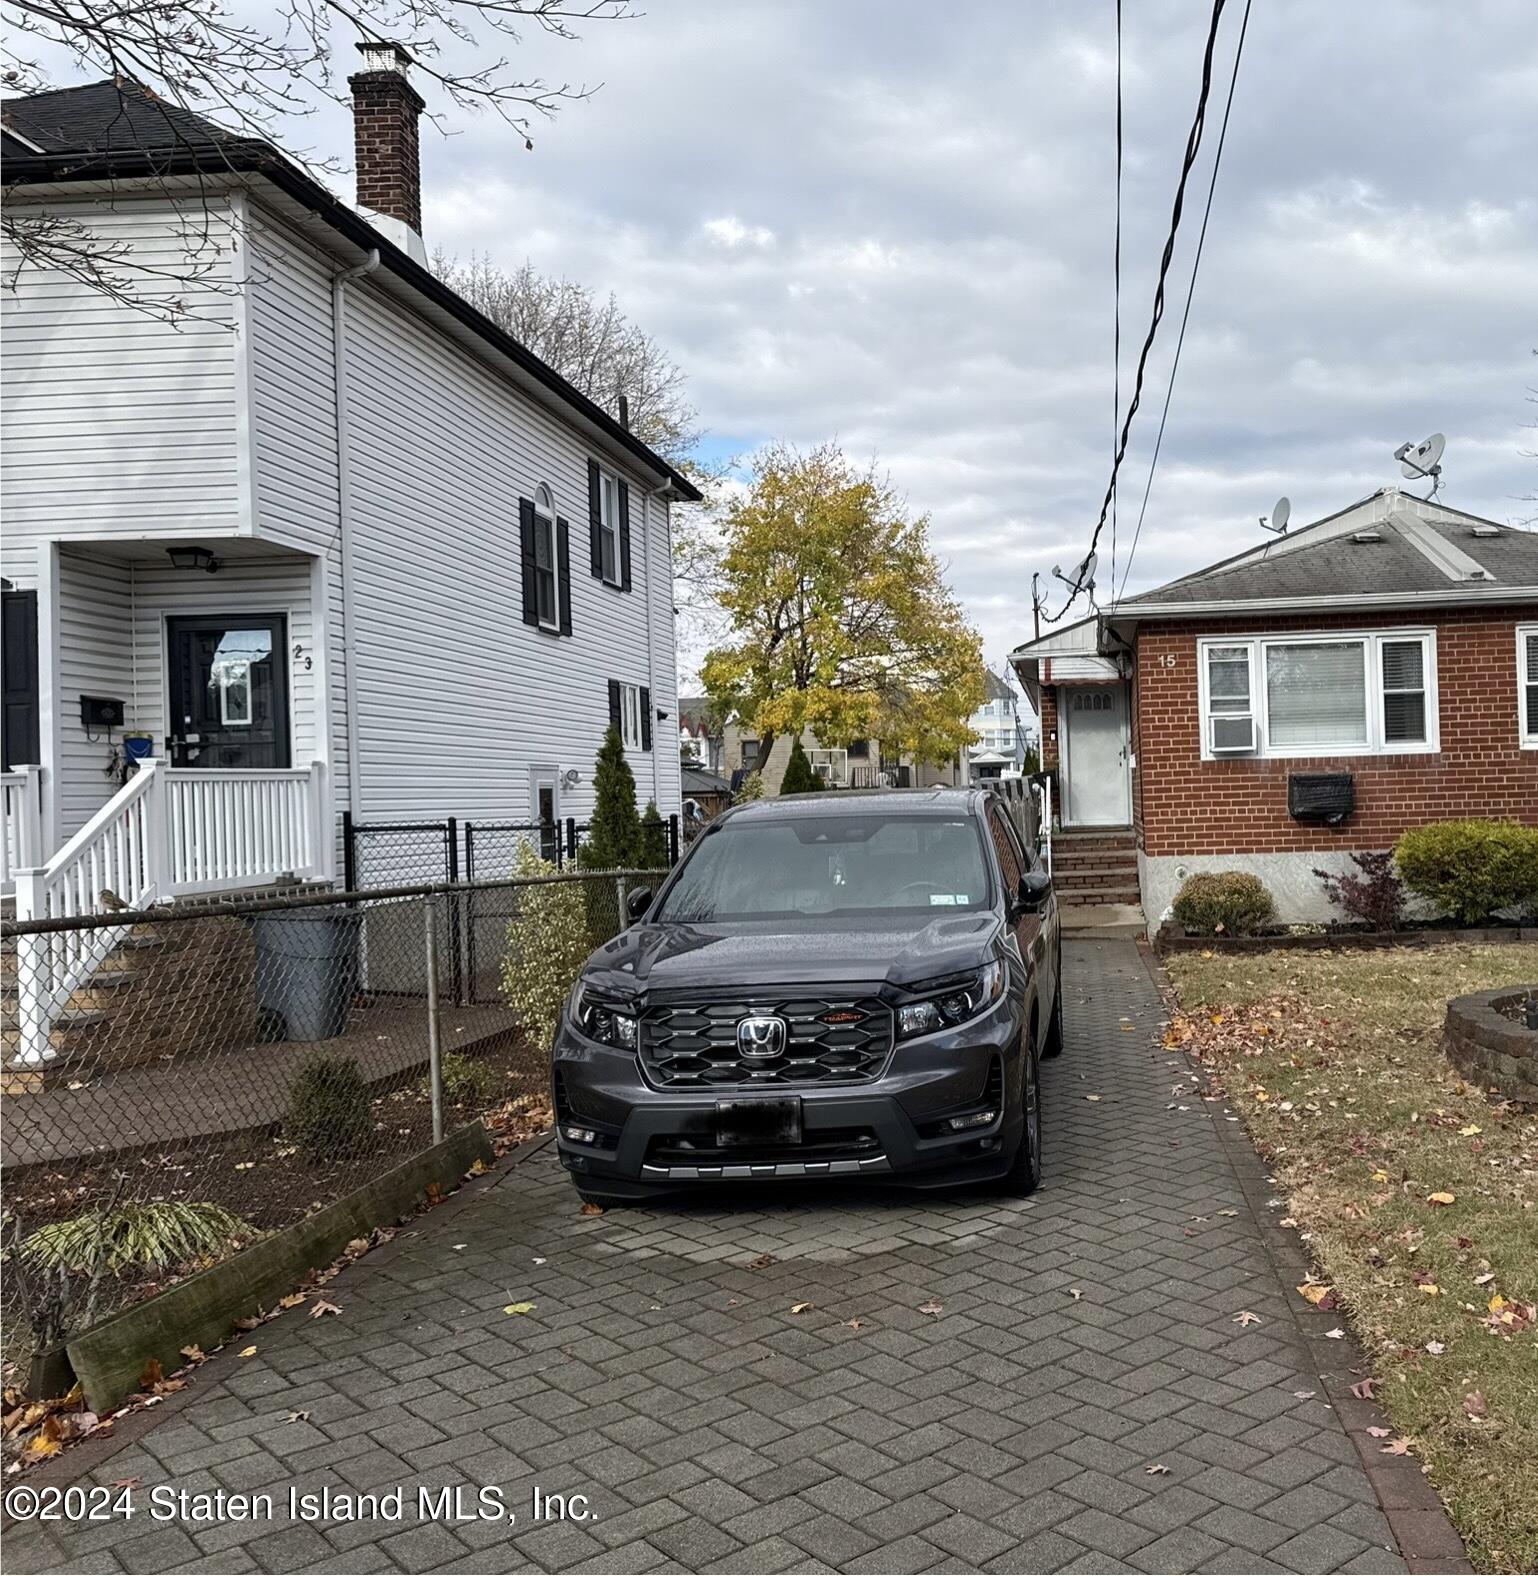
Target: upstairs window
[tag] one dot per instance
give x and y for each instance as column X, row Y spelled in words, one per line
column 546, row 566
column 1527, row 686
column 1319, row 695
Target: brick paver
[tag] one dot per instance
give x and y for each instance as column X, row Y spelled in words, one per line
column 1086, row 1336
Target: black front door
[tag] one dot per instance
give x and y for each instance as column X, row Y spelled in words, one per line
column 229, row 691
column 18, row 671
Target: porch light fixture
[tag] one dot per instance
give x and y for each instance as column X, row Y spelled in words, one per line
column 192, row 558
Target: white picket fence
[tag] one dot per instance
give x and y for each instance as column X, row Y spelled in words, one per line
column 167, row 833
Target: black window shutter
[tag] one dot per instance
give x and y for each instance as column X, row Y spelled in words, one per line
column 646, row 719
column 563, row 573
column 526, row 548
column 614, row 721
column 624, row 537
column 595, row 517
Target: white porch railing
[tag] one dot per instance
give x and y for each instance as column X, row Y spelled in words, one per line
column 168, row 832
column 22, row 844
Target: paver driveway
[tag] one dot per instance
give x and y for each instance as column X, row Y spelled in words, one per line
column 714, row 1428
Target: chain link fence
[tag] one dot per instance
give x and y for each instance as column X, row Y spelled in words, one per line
column 179, row 1080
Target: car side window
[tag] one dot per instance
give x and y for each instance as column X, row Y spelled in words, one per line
column 1009, row 857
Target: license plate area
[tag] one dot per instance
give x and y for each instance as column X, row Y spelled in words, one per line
column 760, row 1122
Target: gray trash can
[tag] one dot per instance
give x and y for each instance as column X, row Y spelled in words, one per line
column 306, row 970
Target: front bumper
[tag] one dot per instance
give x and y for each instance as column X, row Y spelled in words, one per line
column 890, row 1128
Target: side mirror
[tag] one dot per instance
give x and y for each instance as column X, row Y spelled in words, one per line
column 638, row 902
column 1035, row 887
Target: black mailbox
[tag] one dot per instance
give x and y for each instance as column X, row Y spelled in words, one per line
column 96, row 711
column 1321, row 796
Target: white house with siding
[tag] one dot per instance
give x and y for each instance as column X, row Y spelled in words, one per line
column 326, row 536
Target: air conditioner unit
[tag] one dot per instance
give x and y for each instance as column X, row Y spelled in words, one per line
column 1233, row 735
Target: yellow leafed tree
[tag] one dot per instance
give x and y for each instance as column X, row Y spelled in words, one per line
column 840, row 619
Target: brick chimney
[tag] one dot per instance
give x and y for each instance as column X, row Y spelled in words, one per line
column 385, row 108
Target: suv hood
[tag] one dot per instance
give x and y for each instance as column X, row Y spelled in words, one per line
column 688, row 957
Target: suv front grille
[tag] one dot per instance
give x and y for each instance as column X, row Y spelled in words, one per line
column 694, row 1044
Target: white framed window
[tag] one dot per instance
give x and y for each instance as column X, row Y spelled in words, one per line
column 1527, row 686
column 608, row 528
column 546, row 565
column 832, row 766
column 1319, row 695
column 630, row 716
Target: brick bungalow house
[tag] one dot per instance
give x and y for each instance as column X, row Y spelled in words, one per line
column 1309, row 698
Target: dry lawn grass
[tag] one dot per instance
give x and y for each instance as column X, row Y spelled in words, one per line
column 1418, row 1196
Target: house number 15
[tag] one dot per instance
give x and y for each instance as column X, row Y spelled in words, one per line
column 1167, row 660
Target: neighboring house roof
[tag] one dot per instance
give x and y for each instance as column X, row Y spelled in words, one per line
column 1391, row 548
column 109, row 131
column 694, row 714
column 995, row 688
column 696, row 780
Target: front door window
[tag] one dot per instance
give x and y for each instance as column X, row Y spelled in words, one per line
column 228, row 692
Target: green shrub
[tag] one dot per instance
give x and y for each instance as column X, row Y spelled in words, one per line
column 465, row 1080
column 329, row 1114
column 752, row 788
column 549, row 941
column 614, row 833
column 158, row 1236
column 1223, row 903
column 799, row 776
column 654, row 839
column 1471, row 869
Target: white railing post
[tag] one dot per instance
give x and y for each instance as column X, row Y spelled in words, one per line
column 29, row 823
column 322, row 844
column 160, row 858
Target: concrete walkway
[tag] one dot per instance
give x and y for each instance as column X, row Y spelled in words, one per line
column 969, row 1383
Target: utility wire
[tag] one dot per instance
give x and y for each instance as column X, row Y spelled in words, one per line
column 1116, row 309
column 1193, row 146
column 1217, row 161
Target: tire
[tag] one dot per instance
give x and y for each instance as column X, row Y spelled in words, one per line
column 1024, row 1174
column 1054, row 1042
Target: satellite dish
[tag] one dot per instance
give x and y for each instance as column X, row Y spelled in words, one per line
column 1281, row 513
column 1083, row 574
column 1423, row 459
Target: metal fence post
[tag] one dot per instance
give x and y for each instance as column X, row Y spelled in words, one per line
column 434, row 1058
column 571, row 838
column 672, row 840
column 349, row 853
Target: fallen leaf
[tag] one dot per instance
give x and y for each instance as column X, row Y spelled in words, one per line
column 1436, row 1348
column 932, row 1308
column 855, row 1324
column 1380, row 1175
column 292, row 1300
column 1304, row 1395
column 1156, row 1469
column 249, row 1351
column 801, row 1307
column 1484, row 1280
column 1470, row 1130
column 519, row 1307
column 590, row 1208
column 1378, row 1433
column 1441, row 1198
column 762, row 1262
column 323, row 1307
column 1396, row 1447
column 1336, row 1334
column 152, row 1374
column 1246, row 1318
column 128, row 1482
column 1230, row 1213
column 1474, row 1404
column 194, row 1354
column 1363, row 1390
column 299, row 1417
column 1092, row 1098
column 459, row 1247
column 1309, row 1291
column 478, row 1169
column 359, row 1245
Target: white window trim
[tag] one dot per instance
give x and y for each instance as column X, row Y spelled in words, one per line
column 608, row 524
column 630, row 716
column 1375, row 744
column 544, row 510
column 1527, row 740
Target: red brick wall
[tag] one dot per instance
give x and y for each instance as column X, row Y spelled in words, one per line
column 385, row 108
column 1185, row 805
column 1049, row 739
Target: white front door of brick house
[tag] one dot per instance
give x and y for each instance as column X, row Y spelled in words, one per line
column 1098, row 785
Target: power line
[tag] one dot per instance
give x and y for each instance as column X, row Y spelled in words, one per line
column 1116, row 310
column 1185, row 316
column 1193, row 146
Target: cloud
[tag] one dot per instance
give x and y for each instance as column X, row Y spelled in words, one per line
column 890, row 222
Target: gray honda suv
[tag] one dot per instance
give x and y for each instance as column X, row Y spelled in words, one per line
column 849, row 984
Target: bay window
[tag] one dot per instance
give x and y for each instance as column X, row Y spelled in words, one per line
column 1305, row 695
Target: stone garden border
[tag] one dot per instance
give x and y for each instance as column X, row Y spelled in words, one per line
column 1488, row 1048
column 1339, row 940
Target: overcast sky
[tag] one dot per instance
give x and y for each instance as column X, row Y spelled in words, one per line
column 890, row 221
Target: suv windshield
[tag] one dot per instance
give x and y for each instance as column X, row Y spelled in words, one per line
column 825, row 865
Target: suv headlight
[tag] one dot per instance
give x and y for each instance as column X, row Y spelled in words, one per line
column 606, row 1021
column 963, row 998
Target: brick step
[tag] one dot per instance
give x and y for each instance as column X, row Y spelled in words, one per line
column 1102, row 859
column 1077, row 880
column 1111, row 840
column 1089, row 897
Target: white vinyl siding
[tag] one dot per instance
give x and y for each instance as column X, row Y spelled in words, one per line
column 1527, row 686
column 114, row 421
column 1290, row 696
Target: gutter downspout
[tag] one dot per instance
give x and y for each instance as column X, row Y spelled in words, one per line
column 344, row 513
